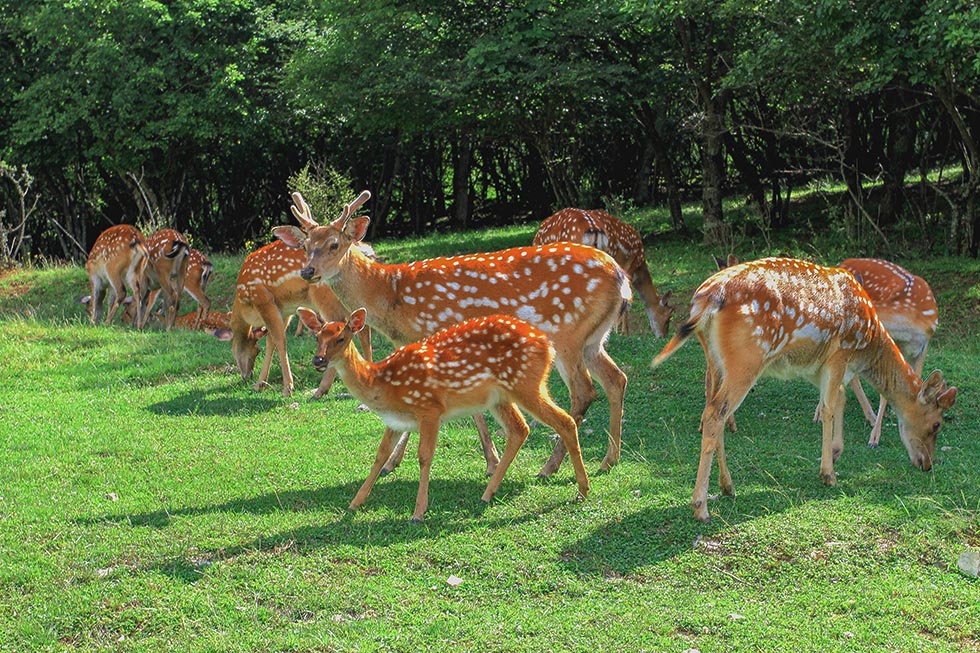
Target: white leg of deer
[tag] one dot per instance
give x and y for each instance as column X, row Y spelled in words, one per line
column 428, row 434
column 384, row 450
column 397, row 453
column 875, row 436
column 516, row 428
column 858, row 389
column 837, row 443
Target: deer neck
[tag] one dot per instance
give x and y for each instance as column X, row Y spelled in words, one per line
column 890, row 374
column 357, row 374
column 362, row 281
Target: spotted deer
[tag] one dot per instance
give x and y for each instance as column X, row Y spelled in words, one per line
column 793, row 319
column 496, row 363
column 574, row 294
column 199, row 271
column 907, row 308
column 217, row 323
column 610, row 234
column 270, row 288
column 166, row 272
column 117, row 261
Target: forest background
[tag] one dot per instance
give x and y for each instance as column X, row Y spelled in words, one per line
column 460, row 114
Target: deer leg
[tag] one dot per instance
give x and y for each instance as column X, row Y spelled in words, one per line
column 115, row 301
column 486, row 442
column 384, row 450
column 712, row 430
column 879, row 420
column 576, row 376
column 837, row 442
column 516, row 428
column 724, row 476
column 328, row 378
column 428, row 433
column 275, row 339
column 858, row 389
column 547, row 412
column 95, row 305
column 828, row 406
column 396, row 455
column 203, row 308
column 613, row 382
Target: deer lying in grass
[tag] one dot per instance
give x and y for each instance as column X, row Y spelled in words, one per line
column 793, row 319
column 496, row 363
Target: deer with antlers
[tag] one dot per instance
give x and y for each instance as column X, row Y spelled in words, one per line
column 793, row 319
column 166, row 272
column 610, row 234
column 574, row 294
column 117, row 261
column 270, row 288
column 496, row 363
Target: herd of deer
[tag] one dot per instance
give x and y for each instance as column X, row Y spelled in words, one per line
column 481, row 332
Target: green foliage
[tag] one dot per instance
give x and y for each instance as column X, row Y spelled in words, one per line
column 324, row 189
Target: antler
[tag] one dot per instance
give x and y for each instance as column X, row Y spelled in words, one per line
column 353, row 206
column 302, row 212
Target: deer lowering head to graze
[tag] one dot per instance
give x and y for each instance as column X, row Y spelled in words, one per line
column 793, row 319
column 269, row 289
column 574, row 294
column 117, row 261
column 496, row 363
column 199, row 271
column 166, row 272
column 907, row 308
column 610, row 234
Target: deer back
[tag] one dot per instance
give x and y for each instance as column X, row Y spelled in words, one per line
column 904, row 302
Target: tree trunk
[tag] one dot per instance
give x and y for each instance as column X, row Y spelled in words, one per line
column 462, row 164
column 716, row 232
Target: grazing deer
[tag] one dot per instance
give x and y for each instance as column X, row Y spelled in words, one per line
column 574, row 294
column 117, row 261
column 496, row 363
column 199, row 271
column 269, row 288
column 793, row 319
column 166, row 272
column 613, row 236
column 907, row 308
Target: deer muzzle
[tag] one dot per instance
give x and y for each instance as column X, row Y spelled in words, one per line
column 308, row 275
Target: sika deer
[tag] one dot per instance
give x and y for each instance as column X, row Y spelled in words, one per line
column 118, row 259
column 269, row 288
column 496, row 363
column 907, row 308
column 575, row 294
column 794, row 319
column 610, row 234
column 166, row 271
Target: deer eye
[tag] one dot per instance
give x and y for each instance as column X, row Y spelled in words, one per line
column 334, row 246
column 935, row 427
column 339, row 340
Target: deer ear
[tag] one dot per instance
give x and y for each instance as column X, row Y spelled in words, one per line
column 256, row 333
column 85, row 300
column 356, row 228
column 933, row 385
column 947, row 399
column 292, row 236
column 310, row 319
column 357, row 319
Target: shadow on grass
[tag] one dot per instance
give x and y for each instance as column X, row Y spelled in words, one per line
column 223, row 401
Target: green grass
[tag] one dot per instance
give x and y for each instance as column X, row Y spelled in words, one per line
column 149, row 501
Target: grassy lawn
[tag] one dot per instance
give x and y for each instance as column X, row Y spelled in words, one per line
column 150, row 501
